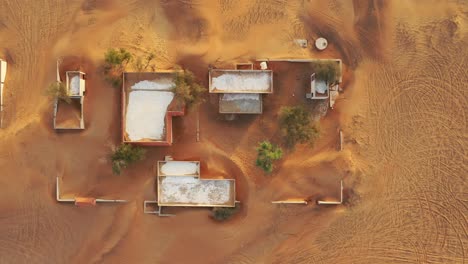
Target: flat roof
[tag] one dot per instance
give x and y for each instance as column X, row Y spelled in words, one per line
column 319, row 86
column 240, row 81
column 193, row 191
column 179, row 168
column 179, row 184
column 147, row 99
column 240, row 103
column 75, row 82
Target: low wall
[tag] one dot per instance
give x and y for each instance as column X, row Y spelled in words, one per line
column 81, row 201
column 3, row 70
column 308, row 60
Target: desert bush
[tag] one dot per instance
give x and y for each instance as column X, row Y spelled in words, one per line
column 327, row 71
column 58, row 90
column 115, row 61
column 224, row 213
column 141, row 64
column 267, row 154
column 186, row 90
column 117, row 57
column 125, row 155
column 296, row 126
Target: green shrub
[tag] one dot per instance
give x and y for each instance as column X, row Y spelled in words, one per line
column 117, row 57
column 58, row 90
column 125, row 155
column 186, row 90
column 115, row 61
column 327, row 71
column 142, row 64
column 225, row 213
column 267, row 154
column 296, row 126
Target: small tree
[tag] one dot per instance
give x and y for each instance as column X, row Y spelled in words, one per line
column 327, row 71
column 115, row 61
column 186, row 90
column 224, row 213
column 141, row 64
column 267, row 153
column 117, row 58
column 58, row 90
column 297, row 126
column 125, row 155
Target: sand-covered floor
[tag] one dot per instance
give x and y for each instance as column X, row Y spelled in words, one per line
column 68, row 114
column 403, row 113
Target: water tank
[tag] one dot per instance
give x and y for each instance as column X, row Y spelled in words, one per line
column 321, row 43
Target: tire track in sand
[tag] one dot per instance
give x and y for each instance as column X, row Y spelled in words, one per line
column 416, row 124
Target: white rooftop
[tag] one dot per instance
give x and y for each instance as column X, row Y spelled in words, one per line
column 320, row 86
column 146, row 110
column 75, row 83
column 188, row 190
column 175, row 168
column 241, row 81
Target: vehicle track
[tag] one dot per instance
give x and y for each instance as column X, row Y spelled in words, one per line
column 416, row 123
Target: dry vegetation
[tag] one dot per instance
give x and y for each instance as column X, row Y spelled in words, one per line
column 187, row 90
column 58, row 90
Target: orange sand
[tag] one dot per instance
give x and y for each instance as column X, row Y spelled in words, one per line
column 403, row 114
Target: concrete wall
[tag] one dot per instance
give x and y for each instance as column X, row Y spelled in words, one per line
column 3, row 70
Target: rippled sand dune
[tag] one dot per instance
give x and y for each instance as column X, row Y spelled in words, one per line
column 404, row 114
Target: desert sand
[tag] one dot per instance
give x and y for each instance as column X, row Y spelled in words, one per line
column 403, row 112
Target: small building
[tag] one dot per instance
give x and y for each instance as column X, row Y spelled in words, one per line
column 240, row 90
column 70, row 115
column 3, row 70
column 180, row 184
column 319, row 89
column 148, row 105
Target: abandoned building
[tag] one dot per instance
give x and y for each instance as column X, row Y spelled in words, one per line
column 148, row 105
column 70, row 115
column 180, row 184
column 240, row 91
